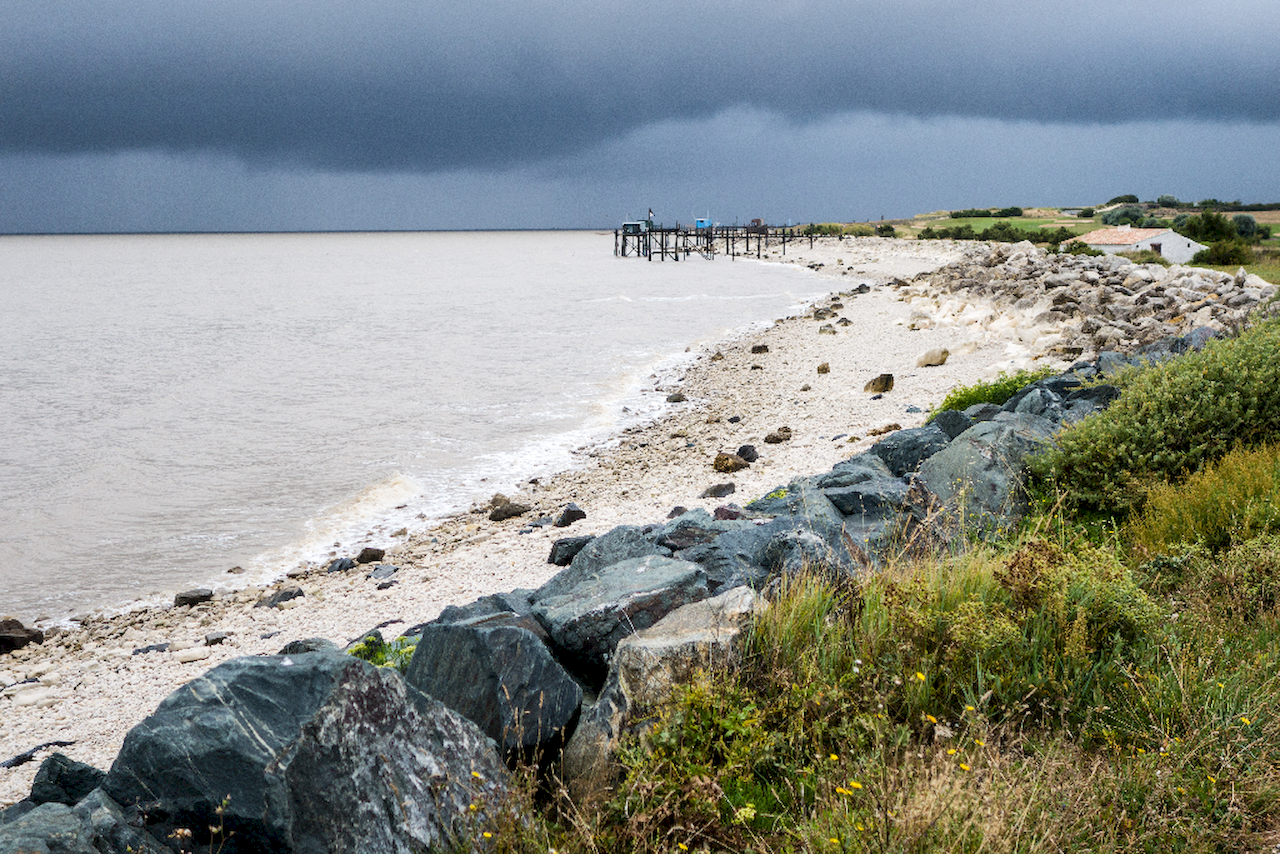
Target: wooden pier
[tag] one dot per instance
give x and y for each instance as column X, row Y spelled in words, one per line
column 645, row 240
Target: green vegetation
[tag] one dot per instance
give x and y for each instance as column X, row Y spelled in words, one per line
column 1170, row 421
column 1225, row 253
column 396, row 653
column 837, row 229
column 1125, row 215
column 1075, row 688
column 1237, row 497
column 997, row 391
column 1128, row 198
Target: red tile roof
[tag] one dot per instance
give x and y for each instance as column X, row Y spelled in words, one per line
column 1119, row 236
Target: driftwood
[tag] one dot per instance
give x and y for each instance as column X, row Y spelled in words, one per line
column 29, row 755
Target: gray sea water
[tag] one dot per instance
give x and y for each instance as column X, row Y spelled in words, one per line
column 175, row 405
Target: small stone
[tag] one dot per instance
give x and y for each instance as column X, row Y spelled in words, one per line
column 195, row 653
column 503, row 508
column 826, row 329
column 369, row 554
column 719, row 490
column 749, row 453
column 806, row 387
column 777, row 437
column 824, row 368
column 728, row 513
column 572, row 513
column 383, row 570
column 734, row 419
column 676, row 397
column 727, row 463
column 880, row 384
column 341, row 565
column 215, row 638
column 677, row 512
column 756, row 349
column 236, row 570
column 281, row 596
column 932, row 358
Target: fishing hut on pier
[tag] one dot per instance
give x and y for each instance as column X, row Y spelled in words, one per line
column 643, row 239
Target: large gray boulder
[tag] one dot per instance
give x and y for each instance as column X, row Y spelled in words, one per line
column 622, row 543
column 587, row 619
column 645, row 670
column 501, row 678
column 856, row 469
column 318, row 752
column 903, row 451
column 48, row 829
column 981, row 474
column 62, row 780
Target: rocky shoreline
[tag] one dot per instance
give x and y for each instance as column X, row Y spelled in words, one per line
column 738, row 396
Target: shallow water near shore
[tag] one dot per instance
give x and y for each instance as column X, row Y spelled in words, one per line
column 176, row 405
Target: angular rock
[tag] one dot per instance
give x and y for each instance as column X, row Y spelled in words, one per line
column 341, row 564
column 718, row 490
column 587, row 618
column 62, row 780
column 565, row 549
column 618, row 544
column 952, row 422
column 502, row 508
column 980, row 474
column 369, row 554
column 905, row 450
column 314, row 752
column 47, row 829
column 824, row 368
column 647, row 665
column 112, row 831
column 856, row 469
column 14, row 635
column 501, row 678
column 382, row 571
column 279, row 597
column 298, row 647
column 571, row 513
column 515, row 602
column 983, row 411
column 881, row 497
column 192, row 597
column 879, row 385
column 749, row 453
column 676, row 397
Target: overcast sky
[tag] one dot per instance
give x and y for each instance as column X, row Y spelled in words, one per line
column 418, row 114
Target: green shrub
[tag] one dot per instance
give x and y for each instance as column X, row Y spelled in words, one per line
column 1225, row 252
column 1122, row 215
column 395, row 654
column 886, row 230
column 1234, row 499
column 1015, row 211
column 1087, row 213
column 1146, row 256
column 969, row 213
column 1128, row 198
column 1206, row 227
column 1079, row 247
column 997, row 391
column 1170, row 420
column 1246, row 226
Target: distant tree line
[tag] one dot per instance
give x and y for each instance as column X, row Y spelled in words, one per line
column 1003, row 232
column 979, row 212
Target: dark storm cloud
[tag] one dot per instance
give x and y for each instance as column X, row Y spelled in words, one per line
column 430, row 86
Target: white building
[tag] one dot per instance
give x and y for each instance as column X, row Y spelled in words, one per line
column 1163, row 241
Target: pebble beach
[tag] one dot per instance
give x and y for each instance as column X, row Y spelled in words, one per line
column 88, row 685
